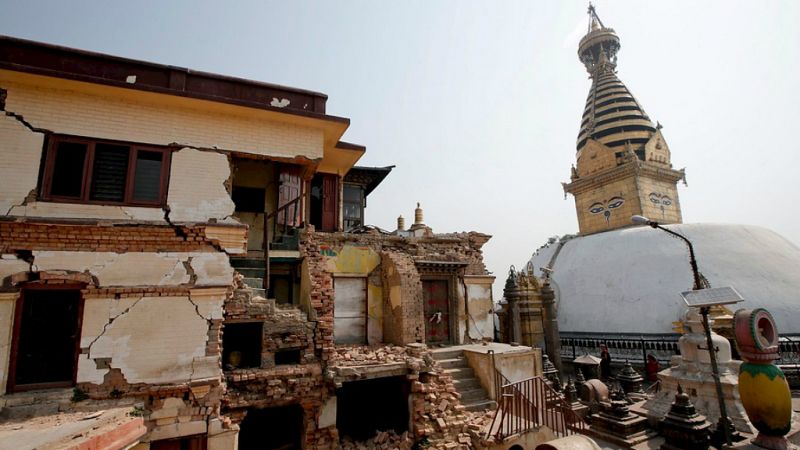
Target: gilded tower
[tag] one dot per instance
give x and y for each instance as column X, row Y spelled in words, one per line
column 623, row 162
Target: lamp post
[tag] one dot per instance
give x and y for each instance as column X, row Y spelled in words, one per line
column 712, row 351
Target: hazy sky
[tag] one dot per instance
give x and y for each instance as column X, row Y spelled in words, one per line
column 478, row 104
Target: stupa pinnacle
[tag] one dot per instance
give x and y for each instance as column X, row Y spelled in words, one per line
column 623, row 164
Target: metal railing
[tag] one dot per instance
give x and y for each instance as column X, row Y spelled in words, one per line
column 293, row 205
column 529, row 404
column 635, row 348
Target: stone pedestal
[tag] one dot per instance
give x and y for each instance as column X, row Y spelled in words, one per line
column 692, row 370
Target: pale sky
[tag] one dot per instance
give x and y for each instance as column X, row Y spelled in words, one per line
column 478, row 104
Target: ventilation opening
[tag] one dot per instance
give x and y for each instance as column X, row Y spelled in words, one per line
column 241, row 345
column 272, row 429
column 359, row 416
column 283, row 357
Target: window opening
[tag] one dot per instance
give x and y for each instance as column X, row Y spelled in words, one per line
column 241, row 345
column 353, row 206
column 283, row 357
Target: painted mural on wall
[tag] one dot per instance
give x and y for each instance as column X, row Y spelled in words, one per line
column 606, row 207
column 661, row 200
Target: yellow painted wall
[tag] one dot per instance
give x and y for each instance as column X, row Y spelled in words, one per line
column 621, row 216
column 85, row 109
column 360, row 261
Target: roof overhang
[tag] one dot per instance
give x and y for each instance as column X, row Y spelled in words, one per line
column 340, row 157
column 369, row 177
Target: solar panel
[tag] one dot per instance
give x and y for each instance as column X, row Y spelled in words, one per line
column 710, row 297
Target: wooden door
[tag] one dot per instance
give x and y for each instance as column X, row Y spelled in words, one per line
column 288, row 190
column 350, row 310
column 436, row 300
column 47, row 332
column 330, row 202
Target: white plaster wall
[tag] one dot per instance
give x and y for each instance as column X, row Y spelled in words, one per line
column 479, row 305
column 71, row 210
column 10, row 264
column 20, row 151
column 212, row 269
column 7, row 303
column 197, row 186
column 136, row 268
column 150, row 339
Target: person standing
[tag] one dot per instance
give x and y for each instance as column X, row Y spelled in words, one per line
column 652, row 368
column 605, row 362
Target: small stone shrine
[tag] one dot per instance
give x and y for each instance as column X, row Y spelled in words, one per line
column 618, row 425
column 631, row 382
column 682, row 428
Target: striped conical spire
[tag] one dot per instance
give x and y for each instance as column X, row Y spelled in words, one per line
column 612, row 115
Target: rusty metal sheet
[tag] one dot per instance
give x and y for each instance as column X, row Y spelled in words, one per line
column 350, row 310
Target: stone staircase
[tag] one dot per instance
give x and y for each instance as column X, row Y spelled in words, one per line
column 454, row 363
column 253, row 271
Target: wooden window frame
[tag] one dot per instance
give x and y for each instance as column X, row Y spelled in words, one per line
column 88, row 164
column 345, row 202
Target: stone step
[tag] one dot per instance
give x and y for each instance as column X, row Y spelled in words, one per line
column 479, row 405
column 460, row 372
column 453, row 363
column 466, row 384
column 468, row 395
column 447, row 353
column 258, row 292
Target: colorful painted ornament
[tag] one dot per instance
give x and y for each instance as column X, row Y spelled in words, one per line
column 763, row 388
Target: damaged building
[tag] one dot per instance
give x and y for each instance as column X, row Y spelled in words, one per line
column 192, row 248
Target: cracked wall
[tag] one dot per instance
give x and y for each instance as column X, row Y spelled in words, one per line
column 197, row 188
column 199, row 170
column 149, row 339
column 140, row 269
column 149, row 315
column 20, row 168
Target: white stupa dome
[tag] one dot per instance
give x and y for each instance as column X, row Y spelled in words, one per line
column 629, row 280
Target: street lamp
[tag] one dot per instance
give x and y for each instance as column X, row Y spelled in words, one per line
column 704, row 309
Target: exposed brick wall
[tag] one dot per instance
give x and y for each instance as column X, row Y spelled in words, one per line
column 321, row 295
column 274, row 385
column 403, row 324
column 16, row 236
column 450, row 247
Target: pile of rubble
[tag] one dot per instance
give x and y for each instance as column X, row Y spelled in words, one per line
column 359, row 355
column 384, row 440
